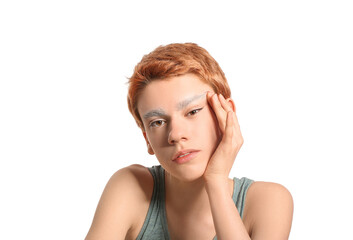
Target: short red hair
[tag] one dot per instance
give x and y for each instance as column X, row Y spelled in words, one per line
column 174, row 60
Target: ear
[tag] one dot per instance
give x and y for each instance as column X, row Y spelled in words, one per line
column 149, row 147
column 231, row 103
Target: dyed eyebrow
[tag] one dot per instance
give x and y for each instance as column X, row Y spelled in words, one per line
column 181, row 105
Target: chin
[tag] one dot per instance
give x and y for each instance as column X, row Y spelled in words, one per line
column 188, row 173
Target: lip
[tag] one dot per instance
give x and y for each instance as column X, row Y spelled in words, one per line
column 191, row 153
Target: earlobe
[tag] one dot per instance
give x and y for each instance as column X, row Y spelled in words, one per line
column 149, row 148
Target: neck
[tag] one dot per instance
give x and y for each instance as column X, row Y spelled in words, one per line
column 186, row 196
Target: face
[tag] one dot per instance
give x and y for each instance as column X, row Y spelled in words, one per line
column 181, row 129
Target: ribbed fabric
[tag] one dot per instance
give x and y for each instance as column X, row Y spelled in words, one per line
column 155, row 226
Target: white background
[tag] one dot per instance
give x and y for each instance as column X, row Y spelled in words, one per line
column 65, row 126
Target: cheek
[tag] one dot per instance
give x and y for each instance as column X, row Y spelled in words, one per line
column 210, row 123
column 157, row 139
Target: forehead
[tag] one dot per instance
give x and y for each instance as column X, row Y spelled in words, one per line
column 171, row 90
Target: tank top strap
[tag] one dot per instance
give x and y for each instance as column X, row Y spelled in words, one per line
column 241, row 187
column 155, row 225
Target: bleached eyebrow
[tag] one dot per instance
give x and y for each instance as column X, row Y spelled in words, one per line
column 181, row 105
column 155, row 113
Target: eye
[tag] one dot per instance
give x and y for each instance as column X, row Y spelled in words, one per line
column 157, row 123
column 195, row 111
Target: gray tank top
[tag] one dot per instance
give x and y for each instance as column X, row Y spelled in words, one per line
column 155, row 226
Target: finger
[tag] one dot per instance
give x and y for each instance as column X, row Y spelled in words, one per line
column 232, row 128
column 218, row 110
column 213, row 100
column 230, row 125
column 229, row 132
column 216, row 106
column 228, row 108
column 221, row 101
column 236, row 123
column 224, row 103
column 237, row 133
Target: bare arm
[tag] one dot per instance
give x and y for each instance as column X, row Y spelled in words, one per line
column 269, row 207
column 122, row 200
column 226, row 218
column 228, row 223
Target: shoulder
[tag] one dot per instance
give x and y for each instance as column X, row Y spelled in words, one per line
column 134, row 178
column 269, row 209
column 126, row 195
column 129, row 184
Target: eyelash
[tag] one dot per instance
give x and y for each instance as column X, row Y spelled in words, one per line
column 154, row 122
column 191, row 113
column 197, row 111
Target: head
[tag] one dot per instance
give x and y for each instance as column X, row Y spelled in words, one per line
column 167, row 97
column 170, row 61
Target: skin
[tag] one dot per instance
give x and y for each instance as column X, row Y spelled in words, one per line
column 184, row 113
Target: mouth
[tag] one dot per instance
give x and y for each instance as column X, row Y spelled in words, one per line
column 185, row 155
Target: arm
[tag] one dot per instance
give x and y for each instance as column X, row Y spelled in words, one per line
column 122, row 200
column 268, row 208
column 227, row 221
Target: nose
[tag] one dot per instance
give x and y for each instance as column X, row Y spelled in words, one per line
column 177, row 132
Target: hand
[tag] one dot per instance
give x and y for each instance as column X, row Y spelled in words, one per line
column 222, row 160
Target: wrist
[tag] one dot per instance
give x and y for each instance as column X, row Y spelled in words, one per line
column 219, row 184
column 215, row 178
